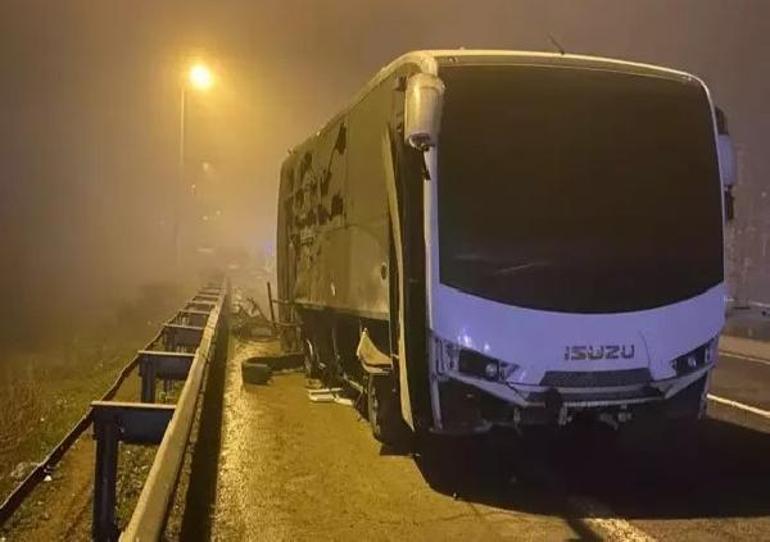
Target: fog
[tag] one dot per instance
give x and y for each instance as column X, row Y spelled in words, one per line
column 90, row 100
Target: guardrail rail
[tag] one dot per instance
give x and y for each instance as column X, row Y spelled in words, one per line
column 149, row 517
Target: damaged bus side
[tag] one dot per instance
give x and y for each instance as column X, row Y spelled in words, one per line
column 351, row 253
column 503, row 238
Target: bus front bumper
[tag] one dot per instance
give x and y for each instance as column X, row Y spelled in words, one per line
column 463, row 405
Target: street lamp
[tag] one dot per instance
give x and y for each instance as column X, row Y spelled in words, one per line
column 200, row 78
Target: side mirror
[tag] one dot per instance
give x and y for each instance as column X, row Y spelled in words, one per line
column 727, row 163
column 422, row 110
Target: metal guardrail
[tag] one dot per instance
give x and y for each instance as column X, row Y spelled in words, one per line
column 187, row 343
column 149, row 517
column 746, row 304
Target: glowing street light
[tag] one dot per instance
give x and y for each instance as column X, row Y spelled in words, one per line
column 200, row 77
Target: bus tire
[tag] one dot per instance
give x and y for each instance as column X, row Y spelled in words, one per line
column 383, row 411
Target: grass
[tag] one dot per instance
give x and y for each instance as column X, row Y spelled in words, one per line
column 45, row 390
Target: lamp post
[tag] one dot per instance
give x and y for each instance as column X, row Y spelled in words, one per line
column 201, row 79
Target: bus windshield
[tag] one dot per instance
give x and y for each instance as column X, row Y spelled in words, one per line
column 577, row 190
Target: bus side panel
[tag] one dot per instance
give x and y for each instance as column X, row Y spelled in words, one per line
column 337, row 216
column 367, row 203
column 285, row 261
column 315, row 216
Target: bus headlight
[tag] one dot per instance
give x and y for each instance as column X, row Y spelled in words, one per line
column 702, row 356
column 451, row 358
column 492, row 370
column 473, row 363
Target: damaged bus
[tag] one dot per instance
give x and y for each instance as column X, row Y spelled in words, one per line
column 505, row 238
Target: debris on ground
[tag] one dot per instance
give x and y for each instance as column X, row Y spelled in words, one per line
column 323, row 395
column 255, row 372
column 250, row 322
column 22, row 469
column 284, row 361
column 329, row 395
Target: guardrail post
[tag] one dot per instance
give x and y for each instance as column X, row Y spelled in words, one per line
column 107, row 437
column 149, row 368
column 134, row 423
column 169, row 339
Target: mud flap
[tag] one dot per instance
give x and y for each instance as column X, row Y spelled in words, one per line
column 373, row 360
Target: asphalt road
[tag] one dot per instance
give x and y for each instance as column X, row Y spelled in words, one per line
column 742, row 379
column 290, row 469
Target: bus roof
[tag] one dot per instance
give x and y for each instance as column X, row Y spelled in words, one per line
column 431, row 60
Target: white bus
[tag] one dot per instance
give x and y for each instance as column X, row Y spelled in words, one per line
column 509, row 238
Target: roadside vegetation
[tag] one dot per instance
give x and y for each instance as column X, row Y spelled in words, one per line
column 46, row 388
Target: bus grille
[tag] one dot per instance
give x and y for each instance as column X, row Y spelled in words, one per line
column 596, row 379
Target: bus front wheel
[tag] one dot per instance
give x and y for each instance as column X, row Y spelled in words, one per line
column 383, row 410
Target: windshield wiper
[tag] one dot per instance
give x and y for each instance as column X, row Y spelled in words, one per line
column 521, row 267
